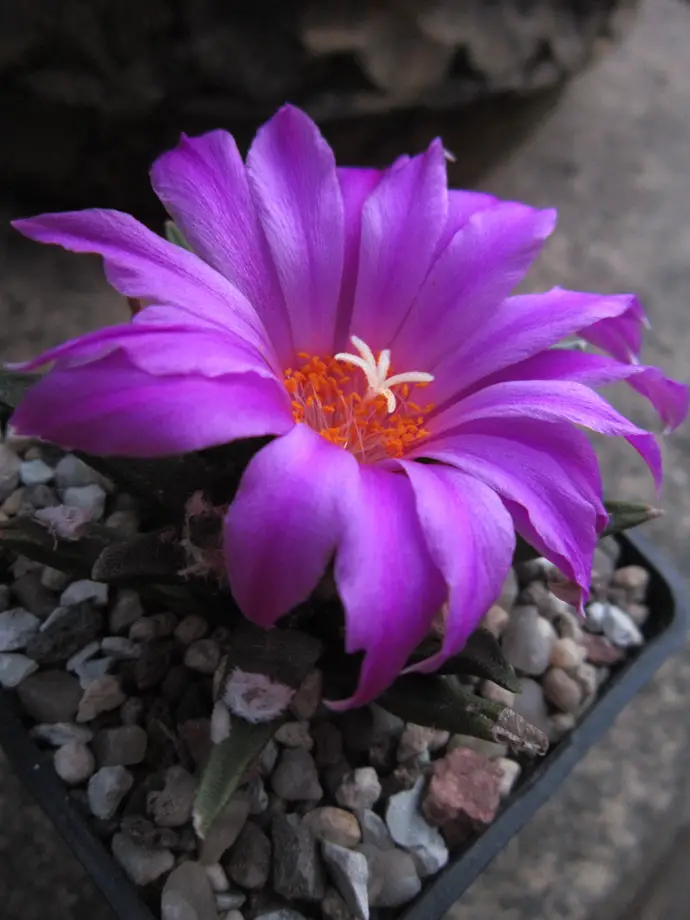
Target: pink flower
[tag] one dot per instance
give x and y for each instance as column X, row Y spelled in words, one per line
column 363, row 318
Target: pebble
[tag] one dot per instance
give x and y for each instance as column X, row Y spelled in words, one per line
column 187, row 894
column 217, row 877
column 13, row 504
column 249, row 865
column 308, row 697
column 613, row 622
column 125, row 523
column 17, row 627
column 495, row 620
column 40, row 500
column 35, row 472
column 334, row 908
column 142, row 865
column 202, row 656
column 418, row 740
column 561, row 724
column 530, row 704
column 191, row 628
column 509, row 591
column 59, row 733
column 126, row 610
column 50, row 696
column 374, row 830
column 258, row 797
column 34, row 596
column 410, row 830
column 132, row 711
column 154, row 663
column 14, row 668
column 74, row 763
column 349, row 871
column 567, row 654
column 478, row 745
column 172, row 806
column 237, row 915
column 568, row 625
column 87, row 498
column 85, row 590
column 9, row 471
column 294, row 735
column 359, row 789
column 297, row 872
column 464, row 785
column 54, row 579
column 334, row 825
column 107, row 788
column 231, row 900
column 122, row 746
column 491, row 691
column 638, row 613
column 100, row 695
column 121, row 648
column 393, row 879
column 225, row 829
column 71, row 471
column 280, row 913
column 599, row 650
column 510, row 772
column 527, row 641
column 634, row 580
column 296, row 778
column 66, row 631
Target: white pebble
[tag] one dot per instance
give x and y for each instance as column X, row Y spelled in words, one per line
column 35, row 472
column 85, row 590
column 86, row 498
column 14, row 668
column 74, row 763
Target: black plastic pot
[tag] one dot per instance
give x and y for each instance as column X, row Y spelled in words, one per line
column 665, row 629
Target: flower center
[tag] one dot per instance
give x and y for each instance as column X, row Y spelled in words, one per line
column 359, row 413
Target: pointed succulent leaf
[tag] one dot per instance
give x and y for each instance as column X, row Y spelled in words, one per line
column 284, row 655
column 174, row 235
column 146, row 557
column 41, row 543
column 13, row 386
column 482, row 657
column 226, row 768
column 624, row 515
column 572, row 343
column 443, row 703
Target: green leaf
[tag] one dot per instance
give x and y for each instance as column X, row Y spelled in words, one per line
column 443, row 703
column 624, row 515
column 146, row 557
column 174, row 235
column 13, row 387
column 36, row 541
column 482, row 657
column 226, row 767
column 284, row 655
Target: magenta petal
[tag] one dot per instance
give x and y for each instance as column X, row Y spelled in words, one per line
column 161, row 350
column 461, row 206
column 532, row 478
column 516, row 329
column 387, row 580
column 471, row 538
column 355, row 185
column 560, row 401
column 457, row 304
column 621, row 336
column 402, row 222
column 112, row 407
column 294, row 182
column 140, row 264
column 283, row 526
column 204, row 187
column 669, row 398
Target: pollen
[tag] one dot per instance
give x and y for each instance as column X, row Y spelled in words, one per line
column 349, row 400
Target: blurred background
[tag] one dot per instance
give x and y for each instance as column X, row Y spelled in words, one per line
column 579, row 104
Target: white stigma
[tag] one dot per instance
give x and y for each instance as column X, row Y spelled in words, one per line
column 376, row 372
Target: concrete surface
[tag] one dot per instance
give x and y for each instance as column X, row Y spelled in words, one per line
column 613, row 159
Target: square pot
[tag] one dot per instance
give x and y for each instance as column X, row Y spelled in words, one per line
column 664, row 633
